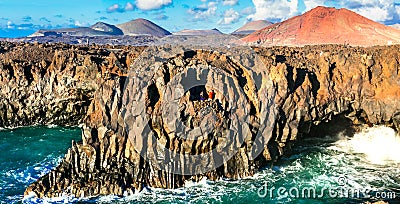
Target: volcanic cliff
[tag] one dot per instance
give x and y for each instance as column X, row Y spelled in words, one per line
column 54, row 83
column 288, row 93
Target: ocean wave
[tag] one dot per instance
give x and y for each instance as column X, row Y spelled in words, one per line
column 32, row 199
column 17, row 178
column 52, row 126
column 32, row 172
column 379, row 144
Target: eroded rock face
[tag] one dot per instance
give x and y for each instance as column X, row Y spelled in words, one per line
column 52, row 84
column 302, row 87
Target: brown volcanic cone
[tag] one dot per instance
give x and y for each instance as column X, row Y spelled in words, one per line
column 142, row 26
column 324, row 25
column 251, row 27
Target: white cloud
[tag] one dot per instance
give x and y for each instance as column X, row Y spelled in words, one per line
column 129, row 7
column 248, row 10
column 80, row 24
column 161, row 17
column 230, row 16
column 384, row 11
column 27, row 18
column 204, row 11
column 229, row 2
column 115, row 8
column 377, row 10
column 152, row 4
column 397, row 8
column 22, row 26
column 10, row 25
column 25, row 26
column 375, row 13
column 310, row 4
column 118, row 8
column 274, row 9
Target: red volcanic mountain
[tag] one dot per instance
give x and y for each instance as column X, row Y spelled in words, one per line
column 324, row 25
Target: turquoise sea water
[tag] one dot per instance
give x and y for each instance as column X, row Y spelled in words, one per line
column 355, row 169
column 27, row 153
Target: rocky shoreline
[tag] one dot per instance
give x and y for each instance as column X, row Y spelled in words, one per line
column 71, row 85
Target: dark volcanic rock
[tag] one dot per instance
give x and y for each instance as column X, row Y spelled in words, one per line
column 52, row 84
column 88, row 40
column 309, row 85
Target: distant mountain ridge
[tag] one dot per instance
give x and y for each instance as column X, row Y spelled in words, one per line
column 251, row 27
column 199, row 32
column 135, row 27
column 107, row 28
column 82, row 31
column 323, row 25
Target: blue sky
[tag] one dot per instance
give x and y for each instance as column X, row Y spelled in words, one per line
column 22, row 17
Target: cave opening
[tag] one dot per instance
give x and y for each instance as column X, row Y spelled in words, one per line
column 200, row 101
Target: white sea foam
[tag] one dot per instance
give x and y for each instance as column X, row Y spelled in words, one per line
column 52, row 126
column 380, row 144
column 29, row 174
column 202, row 182
column 31, row 198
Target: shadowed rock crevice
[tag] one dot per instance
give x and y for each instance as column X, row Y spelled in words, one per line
column 338, row 125
column 153, row 95
column 396, row 122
